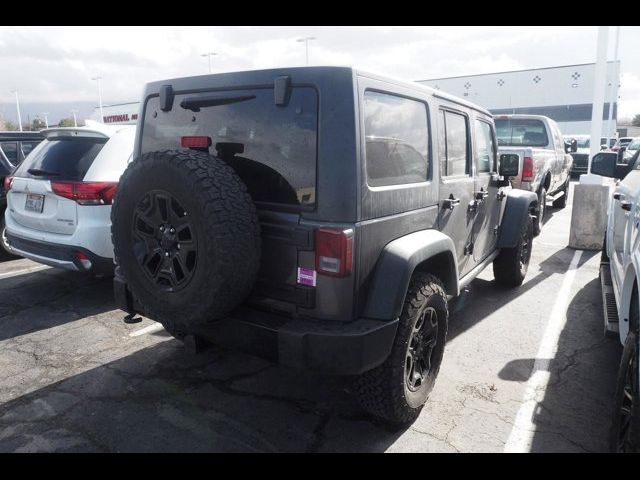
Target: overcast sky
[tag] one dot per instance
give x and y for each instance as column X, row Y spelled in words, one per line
column 56, row 64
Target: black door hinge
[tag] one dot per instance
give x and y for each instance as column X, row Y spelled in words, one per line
column 468, row 250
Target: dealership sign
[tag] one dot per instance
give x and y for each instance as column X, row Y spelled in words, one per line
column 119, row 114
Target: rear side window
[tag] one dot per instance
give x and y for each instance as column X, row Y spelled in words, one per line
column 397, row 139
column 62, row 158
column 10, row 150
column 521, row 132
column 485, row 147
column 454, row 144
column 272, row 148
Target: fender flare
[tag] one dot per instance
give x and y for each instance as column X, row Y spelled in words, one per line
column 516, row 212
column 396, row 264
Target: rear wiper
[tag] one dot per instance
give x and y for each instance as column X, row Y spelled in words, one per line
column 195, row 103
column 42, row 173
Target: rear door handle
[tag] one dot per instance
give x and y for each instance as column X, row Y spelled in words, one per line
column 451, row 202
column 482, row 194
column 626, row 205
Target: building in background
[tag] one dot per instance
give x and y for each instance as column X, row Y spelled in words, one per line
column 563, row 93
column 117, row 114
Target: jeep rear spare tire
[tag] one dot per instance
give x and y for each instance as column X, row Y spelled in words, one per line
column 186, row 237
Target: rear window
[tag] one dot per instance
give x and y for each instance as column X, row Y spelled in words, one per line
column 397, row 139
column 521, row 132
column 61, row 158
column 635, row 145
column 271, row 147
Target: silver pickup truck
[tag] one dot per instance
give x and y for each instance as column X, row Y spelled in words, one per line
column 545, row 162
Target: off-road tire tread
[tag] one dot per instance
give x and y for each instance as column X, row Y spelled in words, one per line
column 506, row 266
column 380, row 391
column 230, row 222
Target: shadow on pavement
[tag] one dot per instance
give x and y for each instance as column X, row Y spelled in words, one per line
column 483, row 297
column 163, row 399
column 61, row 297
column 574, row 415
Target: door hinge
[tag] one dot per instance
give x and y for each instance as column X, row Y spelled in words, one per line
column 496, row 230
column 468, row 250
column 500, row 195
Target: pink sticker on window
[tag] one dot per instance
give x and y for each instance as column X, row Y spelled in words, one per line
column 306, row 276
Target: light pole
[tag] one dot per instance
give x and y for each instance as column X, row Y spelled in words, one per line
column 614, row 88
column 209, row 55
column 18, row 109
column 75, row 122
column 97, row 79
column 46, row 119
column 306, row 41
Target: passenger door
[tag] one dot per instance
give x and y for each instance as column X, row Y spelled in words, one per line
column 456, row 184
column 488, row 199
column 626, row 219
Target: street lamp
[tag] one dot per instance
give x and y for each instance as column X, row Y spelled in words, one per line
column 46, row 119
column 209, row 55
column 306, row 41
column 75, row 122
column 97, row 79
column 18, row 109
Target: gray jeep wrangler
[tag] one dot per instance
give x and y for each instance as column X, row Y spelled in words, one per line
column 320, row 216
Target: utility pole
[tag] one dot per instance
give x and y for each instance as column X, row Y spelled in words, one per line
column 46, row 119
column 97, row 79
column 18, row 109
column 306, row 41
column 75, row 121
column 600, row 85
column 209, row 55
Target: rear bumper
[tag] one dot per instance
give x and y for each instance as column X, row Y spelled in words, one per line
column 60, row 256
column 348, row 348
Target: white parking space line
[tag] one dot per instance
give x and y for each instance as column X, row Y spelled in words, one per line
column 521, row 435
column 155, row 327
column 23, row 271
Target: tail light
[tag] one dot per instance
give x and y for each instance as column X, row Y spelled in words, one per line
column 527, row 168
column 84, row 260
column 197, row 142
column 86, row 193
column 334, row 251
column 8, row 181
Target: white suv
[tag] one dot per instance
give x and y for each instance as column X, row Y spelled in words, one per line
column 619, row 275
column 59, row 199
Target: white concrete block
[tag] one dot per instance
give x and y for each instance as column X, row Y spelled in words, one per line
column 588, row 216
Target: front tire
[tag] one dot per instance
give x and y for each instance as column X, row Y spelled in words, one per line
column 625, row 428
column 511, row 265
column 396, row 391
column 562, row 201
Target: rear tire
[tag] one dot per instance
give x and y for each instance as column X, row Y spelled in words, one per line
column 542, row 207
column 5, row 251
column 511, row 264
column 562, row 201
column 396, row 391
column 186, row 237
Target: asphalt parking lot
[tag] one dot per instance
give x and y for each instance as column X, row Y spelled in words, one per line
column 524, row 370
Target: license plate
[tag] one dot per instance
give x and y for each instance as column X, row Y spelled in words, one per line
column 34, row 203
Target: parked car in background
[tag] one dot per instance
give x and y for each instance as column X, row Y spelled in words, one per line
column 630, row 151
column 621, row 146
column 59, row 198
column 619, row 276
column 14, row 147
column 545, row 163
column 218, row 231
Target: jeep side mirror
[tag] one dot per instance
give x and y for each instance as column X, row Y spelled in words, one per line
column 509, row 165
column 604, row 163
